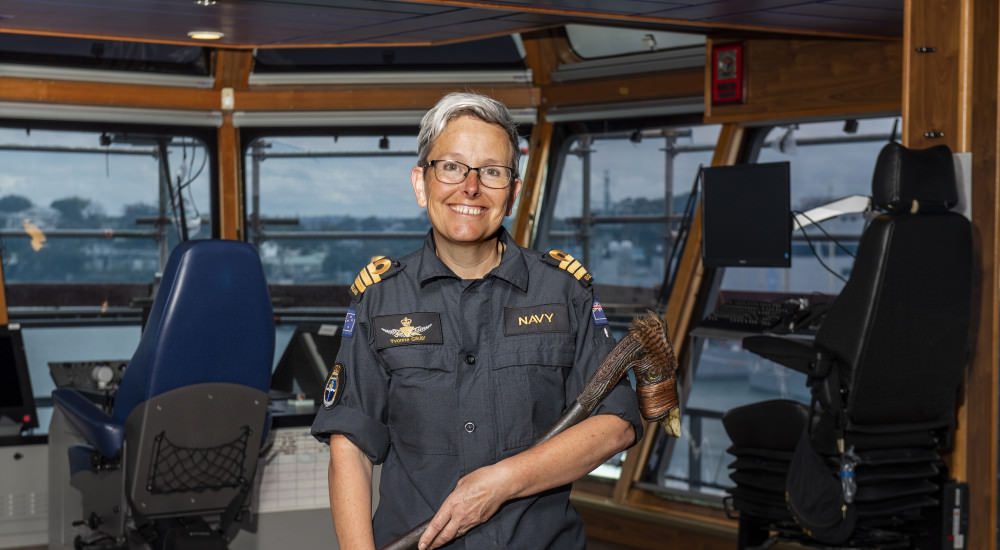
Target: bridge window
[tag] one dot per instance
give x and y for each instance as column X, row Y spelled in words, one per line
column 87, row 220
column 89, row 207
column 319, row 207
column 619, row 202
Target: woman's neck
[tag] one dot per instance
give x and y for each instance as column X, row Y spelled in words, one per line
column 469, row 260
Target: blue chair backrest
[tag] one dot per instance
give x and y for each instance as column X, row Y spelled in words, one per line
column 211, row 321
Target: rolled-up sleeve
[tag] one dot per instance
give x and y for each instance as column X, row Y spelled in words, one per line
column 593, row 343
column 360, row 412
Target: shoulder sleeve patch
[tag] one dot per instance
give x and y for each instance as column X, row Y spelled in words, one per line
column 378, row 270
column 569, row 264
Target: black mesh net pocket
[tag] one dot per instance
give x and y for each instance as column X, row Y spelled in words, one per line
column 177, row 469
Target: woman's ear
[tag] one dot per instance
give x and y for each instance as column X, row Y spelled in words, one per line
column 419, row 187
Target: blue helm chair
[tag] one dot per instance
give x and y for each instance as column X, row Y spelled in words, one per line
column 183, row 436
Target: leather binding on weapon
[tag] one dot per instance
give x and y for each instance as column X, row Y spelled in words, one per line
column 646, row 351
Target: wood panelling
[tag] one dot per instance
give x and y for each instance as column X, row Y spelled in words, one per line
column 668, row 525
column 534, row 180
column 232, row 68
column 110, row 95
column 673, row 84
column 543, row 51
column 931, row 108
column 260, row 98
column 230, row 181
column 795, row 79
column 276, row 98
column 976, row 453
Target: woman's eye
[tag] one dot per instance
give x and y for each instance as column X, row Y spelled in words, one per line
column 451, row 167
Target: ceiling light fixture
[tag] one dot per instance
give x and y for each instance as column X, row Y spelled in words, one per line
column 205, row 2
column 205, row 35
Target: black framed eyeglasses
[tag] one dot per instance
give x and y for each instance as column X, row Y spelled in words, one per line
column 494, row 176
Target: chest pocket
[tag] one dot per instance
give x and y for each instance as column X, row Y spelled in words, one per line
column 422, row 399
column 531, row 382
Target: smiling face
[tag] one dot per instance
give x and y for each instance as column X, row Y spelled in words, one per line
column 467, row 212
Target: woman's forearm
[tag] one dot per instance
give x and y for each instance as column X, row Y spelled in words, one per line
column 350, row 483
column 568, row 456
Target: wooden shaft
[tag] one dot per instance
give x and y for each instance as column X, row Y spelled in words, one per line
column 657, row 395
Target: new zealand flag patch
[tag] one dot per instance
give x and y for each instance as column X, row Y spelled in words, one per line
column 597, row 312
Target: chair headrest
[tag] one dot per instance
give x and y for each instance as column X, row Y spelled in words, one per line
column 914, row 180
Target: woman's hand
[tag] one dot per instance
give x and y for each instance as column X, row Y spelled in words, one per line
column 475, row 499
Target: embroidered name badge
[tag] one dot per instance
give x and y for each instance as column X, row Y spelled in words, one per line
column 349, row 319
column 334, row 385
column 597, row 312
column 530, row 320
column 407, row 329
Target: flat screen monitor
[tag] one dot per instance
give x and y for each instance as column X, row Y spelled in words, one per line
column 17, row 402
column 746, row 216
column 307, row 360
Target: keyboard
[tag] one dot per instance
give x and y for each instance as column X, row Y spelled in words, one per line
column 750, row 315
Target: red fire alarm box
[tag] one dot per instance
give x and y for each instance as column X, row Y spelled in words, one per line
column 727, row 73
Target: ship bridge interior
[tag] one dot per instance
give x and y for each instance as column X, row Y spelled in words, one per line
column 130, row 127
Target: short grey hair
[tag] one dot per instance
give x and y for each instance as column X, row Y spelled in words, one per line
column 458, row 104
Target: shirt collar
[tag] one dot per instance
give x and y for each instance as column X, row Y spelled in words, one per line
column 513, row 268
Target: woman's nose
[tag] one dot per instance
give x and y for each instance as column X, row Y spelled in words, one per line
column 471, row 184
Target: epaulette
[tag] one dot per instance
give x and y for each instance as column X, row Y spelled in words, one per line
column 380, row 269
column 569, row 264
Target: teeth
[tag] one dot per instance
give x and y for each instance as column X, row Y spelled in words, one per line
column 468, row 210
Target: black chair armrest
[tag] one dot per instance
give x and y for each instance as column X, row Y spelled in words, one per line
column 795, row 354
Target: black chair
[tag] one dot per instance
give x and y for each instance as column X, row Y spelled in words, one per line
column 171, row 465
column 884, row 371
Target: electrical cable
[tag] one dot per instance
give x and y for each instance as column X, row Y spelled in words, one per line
column 824, row 231
column 802, row 229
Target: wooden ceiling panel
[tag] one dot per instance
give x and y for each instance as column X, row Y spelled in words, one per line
column 792, row 21
column 724, row 8
column 251, row 23
column 894, row 5
column 838, row 12
column 444, row 26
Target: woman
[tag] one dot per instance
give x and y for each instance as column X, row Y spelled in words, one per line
column 456, row 357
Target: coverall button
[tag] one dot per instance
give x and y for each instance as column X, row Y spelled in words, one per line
column 470, row 427
column 470, row 359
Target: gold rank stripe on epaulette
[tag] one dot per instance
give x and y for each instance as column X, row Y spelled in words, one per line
column 371, row 274
column 571, row 265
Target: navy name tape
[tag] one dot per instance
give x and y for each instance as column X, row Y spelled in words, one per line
column 535, row 319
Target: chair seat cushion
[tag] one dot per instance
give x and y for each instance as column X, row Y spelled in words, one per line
column 868, row 473
column 756, row 463
column 774, row 424
column 764, row 481
column 871, row 492
column 96, row 426
column 894, row 506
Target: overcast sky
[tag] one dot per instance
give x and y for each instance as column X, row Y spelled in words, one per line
column 379, row 185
